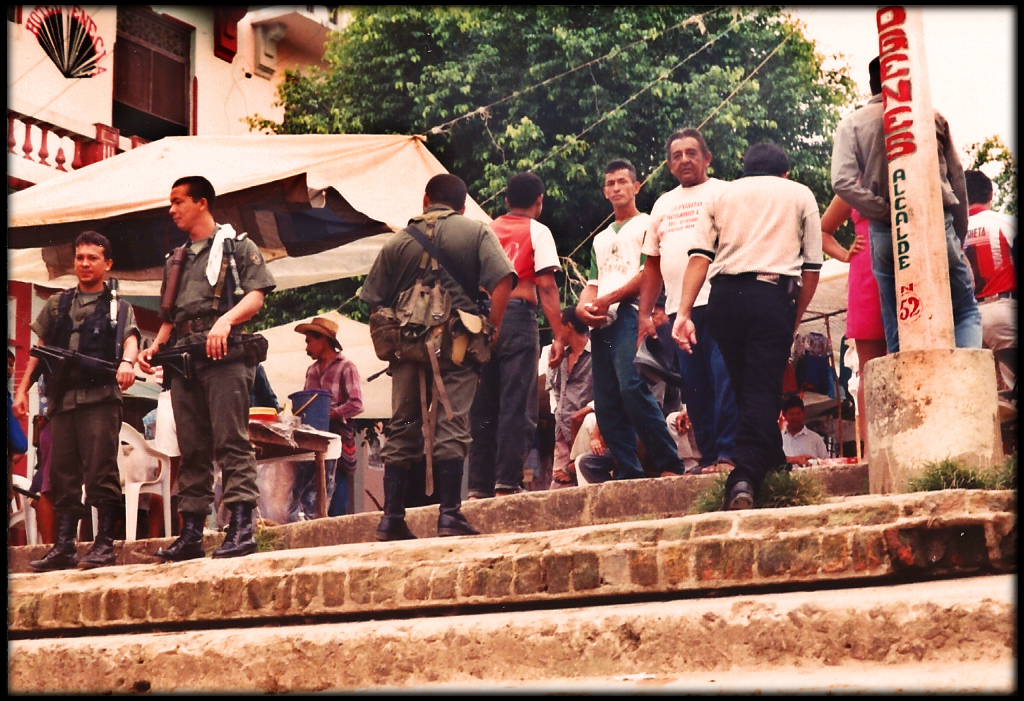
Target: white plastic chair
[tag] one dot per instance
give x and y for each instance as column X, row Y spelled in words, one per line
column 22, row 511
column 144, row 470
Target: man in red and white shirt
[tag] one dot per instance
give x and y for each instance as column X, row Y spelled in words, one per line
column 991, row 249
column 503, row 419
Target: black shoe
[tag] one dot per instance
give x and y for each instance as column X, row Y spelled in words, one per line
column 238, row 540
column 393, row 526
column 448, row 486
column 64, row 553
column 189, row 545
column 454, row 524
column 101, row 554
column 739, row 497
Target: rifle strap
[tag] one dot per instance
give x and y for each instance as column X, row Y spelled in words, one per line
column 218, row 291
column 122, row 322
column 428, row 428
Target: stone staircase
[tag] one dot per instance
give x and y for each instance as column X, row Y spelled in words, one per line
column 593, row 587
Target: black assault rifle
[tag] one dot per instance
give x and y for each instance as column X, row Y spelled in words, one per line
column 54, row 363
column 181, row 360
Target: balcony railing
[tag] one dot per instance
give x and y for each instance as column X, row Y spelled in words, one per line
column 58, row 147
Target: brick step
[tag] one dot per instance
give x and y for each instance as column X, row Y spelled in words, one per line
column 947, row 636
column 877, row 538
column 529, row 512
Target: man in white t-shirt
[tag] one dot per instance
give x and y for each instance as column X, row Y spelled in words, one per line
column 503, row 420
column 708, row 393
column 625, row 406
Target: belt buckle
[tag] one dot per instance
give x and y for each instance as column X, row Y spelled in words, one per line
column 771, row 278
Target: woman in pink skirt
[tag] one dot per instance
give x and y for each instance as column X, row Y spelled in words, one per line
column 863, row 306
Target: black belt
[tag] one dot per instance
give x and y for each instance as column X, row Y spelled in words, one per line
column 197, row 325
column 770, row 278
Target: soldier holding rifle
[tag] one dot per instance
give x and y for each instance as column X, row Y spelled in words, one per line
column 88, row 343
column 212, row 285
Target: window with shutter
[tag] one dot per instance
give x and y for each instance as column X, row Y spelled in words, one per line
column 152, row 71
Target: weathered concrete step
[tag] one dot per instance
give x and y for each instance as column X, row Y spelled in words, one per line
column 929, row 534
column 530, row 512
column 856, row 639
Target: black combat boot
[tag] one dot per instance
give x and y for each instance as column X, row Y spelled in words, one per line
column 448, row 485
column 238, row 540
column 392, row 526
column 102, row 552
column 189, row 545
column 63, row 555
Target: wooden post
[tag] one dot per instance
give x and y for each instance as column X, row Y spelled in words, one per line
column 923, row 305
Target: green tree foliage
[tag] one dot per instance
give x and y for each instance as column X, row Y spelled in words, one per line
column 561, row 90
column 286, row 306
column 993, row 150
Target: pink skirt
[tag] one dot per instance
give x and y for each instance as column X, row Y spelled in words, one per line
column 863, row 307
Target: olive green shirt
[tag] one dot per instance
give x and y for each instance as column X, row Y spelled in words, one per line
column 469, row 244
column 82, row 305
column 196, row 297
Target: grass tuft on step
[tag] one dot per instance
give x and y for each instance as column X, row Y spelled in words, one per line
column 954, row 474
column 780, row 489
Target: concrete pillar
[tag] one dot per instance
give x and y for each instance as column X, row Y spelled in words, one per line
column 926, row 406
column 930, row 401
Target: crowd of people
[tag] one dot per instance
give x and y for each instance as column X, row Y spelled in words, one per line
column 708, row 289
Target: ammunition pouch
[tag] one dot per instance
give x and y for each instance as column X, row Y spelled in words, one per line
column 255, row 347
column 465, row 338
column 468, row 338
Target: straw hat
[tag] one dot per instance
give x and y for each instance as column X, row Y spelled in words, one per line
column 323, row 326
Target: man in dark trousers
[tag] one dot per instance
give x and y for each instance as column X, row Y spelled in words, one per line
column 503, row 420
column 212, row 410
column 474, row 252
column 84, row 403
column 759, row 240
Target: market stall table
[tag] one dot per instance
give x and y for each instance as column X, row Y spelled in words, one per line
column 275, row 441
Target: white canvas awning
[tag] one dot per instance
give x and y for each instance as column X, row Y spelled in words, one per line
column 319, row 207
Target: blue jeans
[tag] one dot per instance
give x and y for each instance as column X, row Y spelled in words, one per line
column 304, row 489
column 503, row 419
column 339, row 501
column 598, row 468
column 709, row 397
column 966, row 317
column 624, row 404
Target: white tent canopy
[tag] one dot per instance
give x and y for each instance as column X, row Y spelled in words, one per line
column 368, row 184
column 829, row 301
column 351, row 259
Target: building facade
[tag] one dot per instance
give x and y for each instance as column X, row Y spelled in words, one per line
column 85, row 83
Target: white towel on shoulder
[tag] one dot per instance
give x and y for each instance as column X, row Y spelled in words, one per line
column 224, row 231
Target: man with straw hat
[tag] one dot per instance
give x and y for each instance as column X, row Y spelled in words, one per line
column 334, row 373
